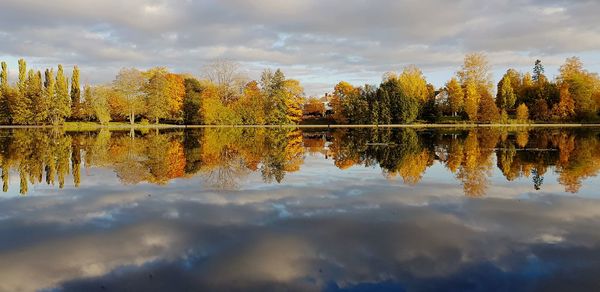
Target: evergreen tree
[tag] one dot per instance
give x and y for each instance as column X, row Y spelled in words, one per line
column 538, row 72
column 276, row 105
column 76, row 113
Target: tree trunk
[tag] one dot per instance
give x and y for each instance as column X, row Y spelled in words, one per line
column 131, row 118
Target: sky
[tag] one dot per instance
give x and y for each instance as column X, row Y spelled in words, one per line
column 319, row 42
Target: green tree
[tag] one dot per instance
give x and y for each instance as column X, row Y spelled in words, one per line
column 274, row 88
column 192, row 102
column 385, row 116
column 538, row 72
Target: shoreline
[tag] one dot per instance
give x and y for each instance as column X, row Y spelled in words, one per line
column 71, row 127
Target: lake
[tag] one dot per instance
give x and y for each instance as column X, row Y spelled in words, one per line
column 262, row 209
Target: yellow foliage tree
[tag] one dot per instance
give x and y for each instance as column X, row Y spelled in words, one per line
column 472, row 98
column 522, row 113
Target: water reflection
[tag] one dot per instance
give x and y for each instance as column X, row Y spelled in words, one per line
column 281, row 209
column 225, row 156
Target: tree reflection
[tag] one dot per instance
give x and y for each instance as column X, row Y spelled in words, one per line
column 224, row 157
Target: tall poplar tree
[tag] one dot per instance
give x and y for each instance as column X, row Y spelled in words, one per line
column 4, row 102
column 76, row 113
column 34, row 93
column 22, row 76
column 62, row 101
column 472, row 98
column 20, row 106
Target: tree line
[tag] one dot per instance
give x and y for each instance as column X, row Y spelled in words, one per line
column 225, row 96
column 469, row 96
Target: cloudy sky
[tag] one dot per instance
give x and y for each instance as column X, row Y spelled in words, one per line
column 318, row 42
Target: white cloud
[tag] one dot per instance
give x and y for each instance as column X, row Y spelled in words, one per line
column 356, row 40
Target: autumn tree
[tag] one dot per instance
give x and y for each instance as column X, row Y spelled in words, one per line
column 251, row 105
column 4, row 94
column 476, row 70
column 505, row 98
column 50, row 96
column 293, row 96
column 456, row 96
column 522, row 113
column 341, row 92
column 76, row 107
column 130, row 84
column 413, row 83
column 226, row 75
column 34, row 94
column 156, row 97
column 583, row 87
column 99, row 102
column 472, row 98
column 20, row 104
column 314, row 106
column 22, row 76
column 60, row 105
column 488, row 111
column 565, row 109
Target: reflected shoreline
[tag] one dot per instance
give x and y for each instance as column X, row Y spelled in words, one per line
column 224, row 155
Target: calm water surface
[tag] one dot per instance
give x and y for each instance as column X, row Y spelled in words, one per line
column 300, row 210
